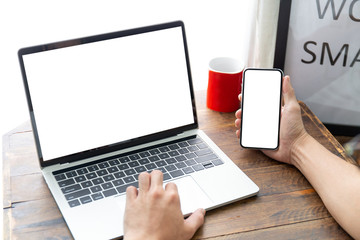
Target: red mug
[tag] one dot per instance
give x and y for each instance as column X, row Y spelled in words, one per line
column 224, row 86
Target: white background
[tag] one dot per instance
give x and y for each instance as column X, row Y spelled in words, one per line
column 214, row 28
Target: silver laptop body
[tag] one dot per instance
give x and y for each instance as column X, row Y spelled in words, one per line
column 107, row 107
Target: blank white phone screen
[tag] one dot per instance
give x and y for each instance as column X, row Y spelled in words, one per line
column 261, row 104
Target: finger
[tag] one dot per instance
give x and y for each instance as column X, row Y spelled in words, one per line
column 240, row 97
column 238, row 113
column 237, row 123
column 156, row 179
column 131, row 194
column 238, row 133
column 194, row 221
column 171, row 187
column 288, row 91
column 144, row 182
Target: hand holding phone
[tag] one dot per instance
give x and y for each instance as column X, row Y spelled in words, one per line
column 261, row 108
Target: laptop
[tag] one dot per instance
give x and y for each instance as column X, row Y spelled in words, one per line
column 104, row 109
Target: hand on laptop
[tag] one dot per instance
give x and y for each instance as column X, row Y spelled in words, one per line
column 153, row 212
column 291, row 125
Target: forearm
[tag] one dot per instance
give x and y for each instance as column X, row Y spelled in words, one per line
column 336, row 181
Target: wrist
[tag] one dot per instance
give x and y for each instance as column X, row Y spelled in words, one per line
column 298, row 149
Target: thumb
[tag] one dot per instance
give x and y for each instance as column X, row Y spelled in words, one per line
column 288, row 91
column 194, row 221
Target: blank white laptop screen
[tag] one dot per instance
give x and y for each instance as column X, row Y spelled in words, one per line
column 96, row 94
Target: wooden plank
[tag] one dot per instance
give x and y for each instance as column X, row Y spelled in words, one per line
column 29, row 187
column 322, row 134
column 325, row 228
column 263, row 212
column 40, row 219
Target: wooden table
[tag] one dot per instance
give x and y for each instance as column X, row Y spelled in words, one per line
column 286, row 206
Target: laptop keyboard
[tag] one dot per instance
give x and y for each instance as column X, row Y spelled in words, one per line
column 111, row 176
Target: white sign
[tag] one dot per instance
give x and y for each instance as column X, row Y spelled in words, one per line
column 323, row 58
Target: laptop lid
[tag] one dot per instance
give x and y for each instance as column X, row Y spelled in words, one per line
column 98, row 94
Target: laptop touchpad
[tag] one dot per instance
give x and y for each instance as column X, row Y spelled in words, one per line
column 192, row 196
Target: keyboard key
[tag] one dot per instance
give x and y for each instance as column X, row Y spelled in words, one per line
column 114, row 162
column 123, row 166
column 77, row 194
column 119, row 174
column 183, row 151
column 95, row 189
column 170, row 168
column 80, row 179
column 130, row 172
column 144, row 161
column 190, row 162
column 173, row 146
column 124, row 159
column 129, row 179
column 118, row 182
column 97, row 181
column 180, row 158
column 217, row 162
column 86, row 184
column 174, row 153
column 134, row 157
column 140, row 169
column 161, row 169
column 113, row 169
column 195, row 141
column 91, row 175
column 208, row 165
column 150, row 166
column 163, row 155
column 202, row 146
column 108, row 178
column 85, row 200
column 176, row 173
column 190, row 155
column 180, row 165
column 198, row 167
column 123, row 188
column 97, row 196
column 66, row 182
column 144, row 154
column 103, row 165
column 70, row 189
column 171, row 160
column 60, row 177
column 133, row 164
column 110, row 192
column 161, row 163
column 107, row 185
column 154, row 158
column 203, row 152
column 206, row 158
column 82, row 171
column 183, row 144
column 102, row 172
column 164, row 149
column 193, row 148
column 93, row 168
column 166, row 176
column 74, row 203
column 154, row 151
column 188, row 170
column 71, row 174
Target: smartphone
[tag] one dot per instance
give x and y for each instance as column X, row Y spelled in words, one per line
column 261, row 108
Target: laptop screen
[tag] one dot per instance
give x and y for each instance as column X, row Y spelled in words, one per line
column 125, row 86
